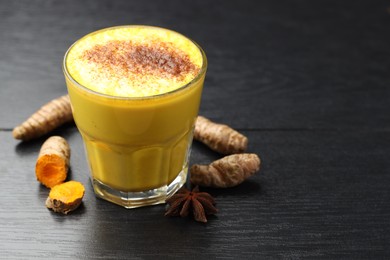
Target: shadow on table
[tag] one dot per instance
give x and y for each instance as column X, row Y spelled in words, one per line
column 247, row 188
column 24, row 148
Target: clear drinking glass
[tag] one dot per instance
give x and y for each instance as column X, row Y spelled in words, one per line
column 137, row 148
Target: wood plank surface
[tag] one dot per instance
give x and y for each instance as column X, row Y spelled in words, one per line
column 307, row 81
column 319, row 194
column 298, row 65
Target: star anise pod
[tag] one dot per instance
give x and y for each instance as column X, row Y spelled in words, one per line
column 201, row 204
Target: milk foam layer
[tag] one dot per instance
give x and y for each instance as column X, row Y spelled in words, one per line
column 134, row 61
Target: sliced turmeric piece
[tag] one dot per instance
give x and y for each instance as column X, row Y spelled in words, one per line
column 53, row 161
column 219, row 137
column 65, row 197
column 226, row 172
column 50, row 116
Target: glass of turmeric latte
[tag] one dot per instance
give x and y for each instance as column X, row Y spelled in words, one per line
column 135, row 93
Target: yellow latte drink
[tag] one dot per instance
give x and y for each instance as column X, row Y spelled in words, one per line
column 135, row 93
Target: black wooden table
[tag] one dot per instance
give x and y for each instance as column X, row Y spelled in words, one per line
column 307, row 81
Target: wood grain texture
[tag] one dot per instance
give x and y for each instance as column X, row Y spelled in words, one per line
column 306, row 81
column 278, row 58
column 318, row 194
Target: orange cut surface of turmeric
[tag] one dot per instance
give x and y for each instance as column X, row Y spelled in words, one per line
column 53, row 161
column 65, row 197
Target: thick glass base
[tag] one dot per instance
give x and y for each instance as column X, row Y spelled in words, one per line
column 139, row 199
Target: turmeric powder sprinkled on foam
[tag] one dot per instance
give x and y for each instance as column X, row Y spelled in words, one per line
column 128, row 59
column 134, row 61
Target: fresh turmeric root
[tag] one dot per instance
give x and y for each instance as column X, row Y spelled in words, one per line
column 53, row 161
column 50, row 116
column 65, row 197
column 226, row 172
column 219, row 137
